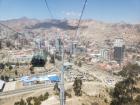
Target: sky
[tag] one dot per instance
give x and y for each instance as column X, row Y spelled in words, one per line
column 102, row 10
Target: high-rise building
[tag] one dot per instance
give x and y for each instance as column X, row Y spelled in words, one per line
column 104, row 54
column 119, row 50
column 73, row 47
column 58, row 44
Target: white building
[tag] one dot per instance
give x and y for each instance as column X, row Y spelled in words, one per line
column 22, row 56
column 1, row 85
column 104, row 54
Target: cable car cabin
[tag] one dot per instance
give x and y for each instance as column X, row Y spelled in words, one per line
column 38, row 61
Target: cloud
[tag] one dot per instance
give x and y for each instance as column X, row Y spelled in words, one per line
column 71, row 14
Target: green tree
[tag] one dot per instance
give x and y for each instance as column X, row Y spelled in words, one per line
column 8, row 43
column 10, row 67
column 33, row 100
column 36, row 101
column 22, row 102
column 67, row 94
column 46, row 95
column 32, row 70
column 56, row 88
column 28, row 100
column 123, row 92
column 120, row 94
column 16, row 73
column 41, row 97
column 17, row 103
column 79, row 63
column 95, row 103
column 0, row 44
column 77, row 86
column 129, row 82
column 2, row 77
column 2, row 66
column 75, row 62
column 17, row 64
column 52, row 60
column 6, row 78
column 137, row 100
column 130, row 70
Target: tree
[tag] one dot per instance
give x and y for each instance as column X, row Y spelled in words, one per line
column 46, row 95
column 0, row 44
column 7, row 64
column 17, row 64
column 52, row 60
column 32, row 70
column 130, row 70
column 137, row 100
column 2, row 77
column 16, row 73
column 56, row 88
column 8, row 43
column 79, row 63
column 36, row 101
column 41, row 97
column 28, row 100
column 33, row 100
column 129, row 82
column 22, row 102
column 123, row 92
column 10, row 67
column 2, row 66
column 6, row 78
column 75, row 62
column 17, row 103
column 77, row 86
column 67, row 94
column 95, row 103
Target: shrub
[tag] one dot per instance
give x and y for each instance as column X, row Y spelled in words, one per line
column 77, row 87
column 10, row 67
column 46, row 95
column 105, row 100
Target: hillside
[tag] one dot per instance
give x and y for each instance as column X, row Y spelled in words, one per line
column 91, row 30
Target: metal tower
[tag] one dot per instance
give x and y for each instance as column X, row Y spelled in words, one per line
column 62, row 91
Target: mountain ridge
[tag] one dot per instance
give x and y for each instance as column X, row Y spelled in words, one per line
column 90, row 29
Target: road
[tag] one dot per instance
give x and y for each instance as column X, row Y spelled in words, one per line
column 24, row 90
column 30, row 88
column 103, row 76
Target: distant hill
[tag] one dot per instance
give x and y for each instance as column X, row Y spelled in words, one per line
column 91, row 29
